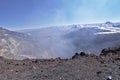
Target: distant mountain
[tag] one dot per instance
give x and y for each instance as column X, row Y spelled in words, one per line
column 64, row 41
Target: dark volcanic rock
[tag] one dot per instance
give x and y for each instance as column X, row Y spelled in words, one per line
column 111, row 50
column 77, row 55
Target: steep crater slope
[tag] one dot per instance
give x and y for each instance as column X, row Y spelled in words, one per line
column 14, row 45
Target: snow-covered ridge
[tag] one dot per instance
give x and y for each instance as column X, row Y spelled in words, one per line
column 109, row 27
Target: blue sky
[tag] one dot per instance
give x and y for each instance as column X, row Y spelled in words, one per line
column 37, row 13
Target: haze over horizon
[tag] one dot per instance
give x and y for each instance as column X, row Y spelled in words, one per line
column 16, row 14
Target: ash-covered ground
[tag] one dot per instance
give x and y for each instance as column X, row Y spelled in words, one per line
column 80, row 66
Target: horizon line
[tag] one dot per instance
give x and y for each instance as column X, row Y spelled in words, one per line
column 56, row 25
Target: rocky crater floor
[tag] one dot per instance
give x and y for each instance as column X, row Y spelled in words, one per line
column 81, row 66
